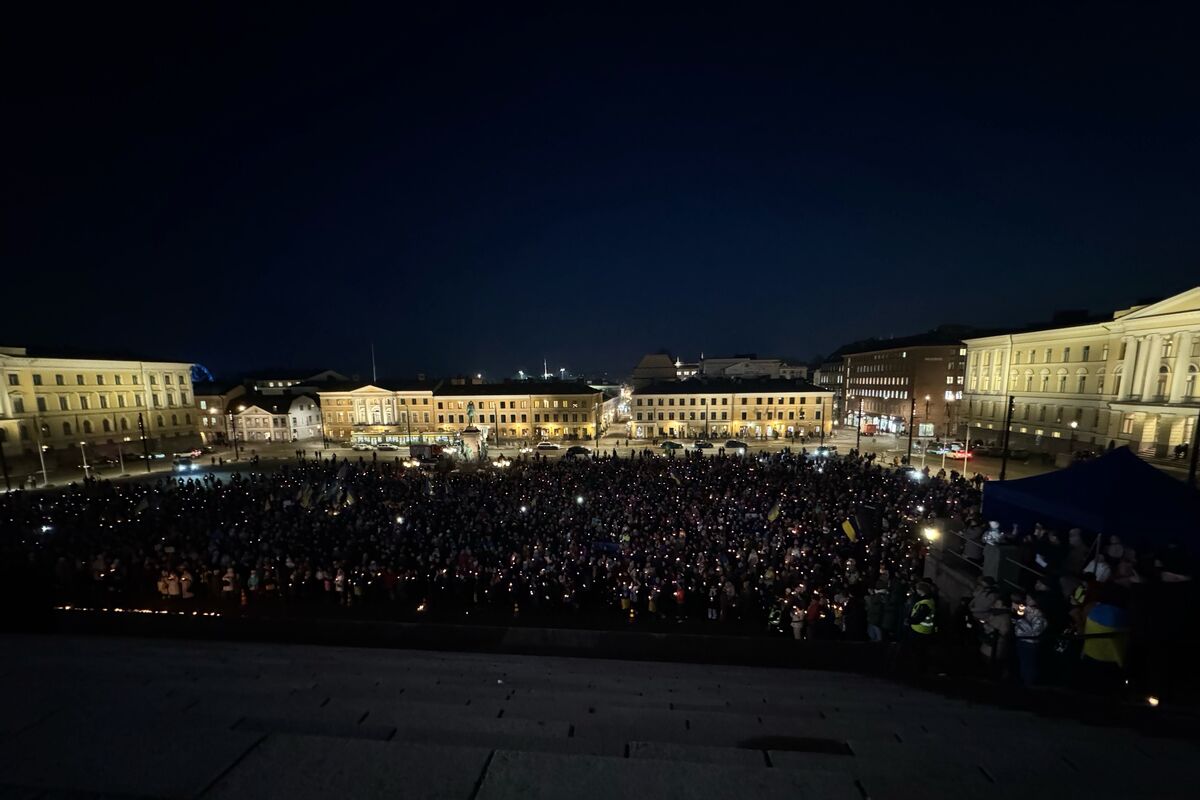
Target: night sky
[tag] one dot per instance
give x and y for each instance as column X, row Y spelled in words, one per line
column 474, row 191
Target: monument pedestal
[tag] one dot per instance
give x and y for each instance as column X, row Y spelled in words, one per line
column 472, row 439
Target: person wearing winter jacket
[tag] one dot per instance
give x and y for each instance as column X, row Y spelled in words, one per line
column 1029, row 629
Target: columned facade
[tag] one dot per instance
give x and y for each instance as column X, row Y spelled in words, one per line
column 1133, row 380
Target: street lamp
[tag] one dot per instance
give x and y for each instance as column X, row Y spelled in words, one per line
column 1071, row 446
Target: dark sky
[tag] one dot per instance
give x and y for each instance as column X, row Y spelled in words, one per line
column 474, row 191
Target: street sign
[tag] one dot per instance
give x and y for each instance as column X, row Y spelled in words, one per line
column 926, row 430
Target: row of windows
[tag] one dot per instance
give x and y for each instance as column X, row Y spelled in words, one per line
column 83, row 402
column 758, row 415
column 349, row 401
column 1166, row 350
column 60, row 379
column 449, row 404
column 887, row 380
column 106, row 425
column 888, row 394
column 691, row 401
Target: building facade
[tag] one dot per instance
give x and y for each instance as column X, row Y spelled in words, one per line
column 831, row 376
column 506, row 412
column 397, row 412
column 1132, row 380
column 214, row 402
column 56, row 403
column 750, row 366
column 907, row 379
column 275, row 418
column 721, row 407
column 521, row 411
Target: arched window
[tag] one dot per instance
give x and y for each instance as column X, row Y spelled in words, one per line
column 1081, row 381
column 174, row 419
column 187, row 419
column 104, row 423
column 1118, row 378
column 66, row 429
column 124, row 424
column 159, row 419
column 87, row 426
column 1045, row 380
column 1164, row 380
column 1100, row 381
column 1190, row 389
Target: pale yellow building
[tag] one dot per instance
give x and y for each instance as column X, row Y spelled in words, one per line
column 521, row 411
column 506, row 412
column 397, row 413
column 57, row 403
column 1130, row 380
column 723, row 407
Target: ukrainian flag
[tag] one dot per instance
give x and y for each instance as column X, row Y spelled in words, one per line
column 1106, row 619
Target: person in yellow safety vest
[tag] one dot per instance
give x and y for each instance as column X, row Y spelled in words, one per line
column 922, row 624
column 922, row 619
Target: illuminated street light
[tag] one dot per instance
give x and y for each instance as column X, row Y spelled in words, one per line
column 930, row 534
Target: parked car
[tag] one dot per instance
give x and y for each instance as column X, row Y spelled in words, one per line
column 101, row 462
column 669, row 445
column 702, row 444
column 361, row 446
column 549, row 446
column 389, row 446
column 736, row 444
column 578, row 450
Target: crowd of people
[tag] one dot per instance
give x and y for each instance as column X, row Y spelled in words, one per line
column 1100, row 603
column 757, row 541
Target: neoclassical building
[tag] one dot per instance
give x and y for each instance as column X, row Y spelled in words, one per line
column 721, row 407
column 57, row 403
column 421, row 411
column 396, row 412
column 1130, row 380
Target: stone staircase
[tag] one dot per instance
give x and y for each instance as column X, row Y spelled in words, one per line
column 112, row 717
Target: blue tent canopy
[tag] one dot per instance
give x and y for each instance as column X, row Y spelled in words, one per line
column 1117, row 493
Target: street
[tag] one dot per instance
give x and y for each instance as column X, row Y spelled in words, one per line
column 221, row 463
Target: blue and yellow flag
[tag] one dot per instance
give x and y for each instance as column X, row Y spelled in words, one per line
column 1104, row 618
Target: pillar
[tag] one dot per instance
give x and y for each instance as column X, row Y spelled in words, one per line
column 1129, row 367
column 1179, row 366
column 1150, row 369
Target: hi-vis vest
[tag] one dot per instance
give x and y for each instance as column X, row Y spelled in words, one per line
column 924, row 620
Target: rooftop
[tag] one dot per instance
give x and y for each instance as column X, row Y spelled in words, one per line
column 514, row 387
column 701, row 385
column 88, row 354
